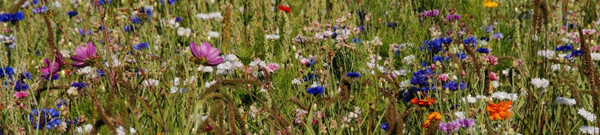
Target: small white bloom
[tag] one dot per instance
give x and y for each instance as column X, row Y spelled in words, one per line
column 470, row 99
column 150, row 82
column 409, row 59
column 184, row 32
column 460, row 114
column 296, row 81
column 213, row 34
column 173, row 23
column 595, row 56
column 565, row 101
column 400, row 72
column 587, row 115
column 555, row 67
column 206, row 69
column 504, row 95
column 132, row 130
column 56, row 4
column 589, row 130
column 272, row 36
column 120, row 130
column 495, row 84
column 72, row 91
column 540, row 82
column 546, row 53
column 208, row 84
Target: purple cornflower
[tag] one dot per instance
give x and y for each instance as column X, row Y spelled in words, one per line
column 466, row 123
column 498, row 36
column 449, row 127
column 206, row 54
column 431, row 13
column 453, row 17
column 40, row 9
column 83, row 54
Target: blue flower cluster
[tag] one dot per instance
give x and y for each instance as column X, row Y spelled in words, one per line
column 140, row 46
column 20, row 86
column 567, row 47
column 317, row 90
column 435, row 45
column 7, row 71
column 483, row 50
column 14, row 17
column 421, row 77
column 470, row 40
column 453, row 86
column 79, row 85
column 353, row 74
column 47, row 117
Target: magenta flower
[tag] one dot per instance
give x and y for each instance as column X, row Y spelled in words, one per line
column 82, row 54
column 21, row 94
column 206, row 54
column 51, row 68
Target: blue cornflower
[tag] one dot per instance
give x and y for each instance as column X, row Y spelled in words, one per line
column 470, row 40
column 100, row 73
column 576, row 53
column 140, row 46
column 136, row 20
column 20, row 86
column 53, row 123
column 567, row 47
column 461, row 55
column 14, row 17
column 498, row 36
column 178, row 19
column 421, row 77
column 72, row 13
column 353, row 74
column 435, row 45
column 129, row 28
column 172, row 2
column 393, row 25
column 7, row 71
column 446, row 40
column 25, row 75
column 356, row 40
column 83, row 32
column 453, row 86
column 102, row 2
column 315, row 90
column 409, row 94
column 310, row 76
column 488, row 29
column 385, row 126
column 47, row 117
column 40, row 9
column 34, row 2
column 483, row 50
column 440, row 58
column 79, row 85
column 361, row 15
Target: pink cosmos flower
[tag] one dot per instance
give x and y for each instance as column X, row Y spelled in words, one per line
column 83, row 54
column 206, row 54
column 588, row 31
column 21, row 94
column 273, row 67
column 304, row 61
column 51, row 68
column 493, row 76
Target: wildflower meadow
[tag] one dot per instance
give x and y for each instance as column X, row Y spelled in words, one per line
column 295, row 67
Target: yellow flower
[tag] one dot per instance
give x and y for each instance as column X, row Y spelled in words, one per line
column 489, row 4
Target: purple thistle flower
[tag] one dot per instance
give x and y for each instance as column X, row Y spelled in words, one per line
column 431, row 13
column 449, row 127
column 82, row 54
column 206, row 54
column 466, row 123
column 453, row 17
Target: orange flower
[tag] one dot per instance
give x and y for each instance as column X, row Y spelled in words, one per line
column 499, row 111
column 489, row 4
column 433, row 116
column 422, row 102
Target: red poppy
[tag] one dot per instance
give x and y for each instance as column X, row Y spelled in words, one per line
column 285, row 9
